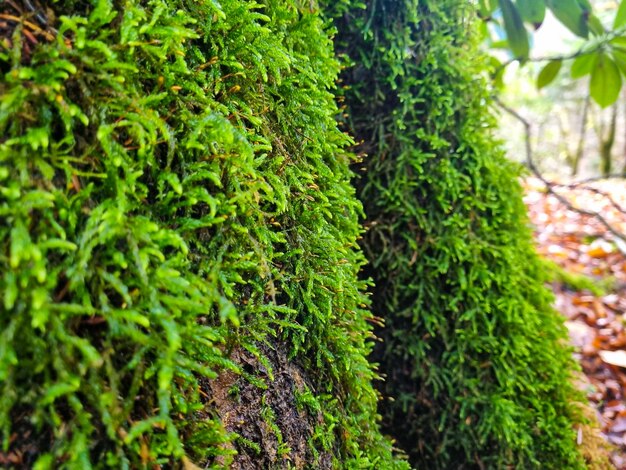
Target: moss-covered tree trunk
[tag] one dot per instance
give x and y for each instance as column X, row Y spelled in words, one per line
column 477, row 367
column 178, row 272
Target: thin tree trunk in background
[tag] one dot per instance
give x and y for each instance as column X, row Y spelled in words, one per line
column 606, row 144
column 580, row 150
column 564, row 139
column 624, row 167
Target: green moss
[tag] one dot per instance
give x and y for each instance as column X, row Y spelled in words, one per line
column 478, row 371
column 575, row 281
column 173, row 187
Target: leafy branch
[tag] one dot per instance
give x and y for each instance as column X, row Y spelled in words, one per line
column 585, row 49
column 603, row 56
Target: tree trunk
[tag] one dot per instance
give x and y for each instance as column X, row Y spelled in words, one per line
column 580, row 149
column 471, row 383
column 606, row 144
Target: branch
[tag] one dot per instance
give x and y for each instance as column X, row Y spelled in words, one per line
column 582, row 51
column 597, row 191
column 593, row 179
column 570, row 56
column 551, row 185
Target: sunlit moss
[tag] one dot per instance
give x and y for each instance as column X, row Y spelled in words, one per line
column 174, row 188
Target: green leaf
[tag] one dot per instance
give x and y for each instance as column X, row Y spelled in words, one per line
column 620, row 16
column 619, row 57
column 595, row 25
column 618, row 43
column 532, row 11
column 515, row 30
column 571, row 14
column 606, row 81
column 486, row 8
column 548, row 73
column 583, row 64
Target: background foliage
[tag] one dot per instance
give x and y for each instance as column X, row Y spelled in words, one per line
column 510, row 25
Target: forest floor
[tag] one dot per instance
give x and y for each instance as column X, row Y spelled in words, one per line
column 596, row 315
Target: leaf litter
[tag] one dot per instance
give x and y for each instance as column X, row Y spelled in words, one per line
column 596, row 316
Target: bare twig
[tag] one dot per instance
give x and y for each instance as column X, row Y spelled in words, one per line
column 597, row 191
column 592, row 179
column 564, row 57
column 550, row 186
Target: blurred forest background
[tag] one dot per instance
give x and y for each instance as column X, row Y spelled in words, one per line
column 572, row 136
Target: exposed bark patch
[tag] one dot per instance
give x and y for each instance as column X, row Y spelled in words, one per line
column 25, row 443
column 273, row 430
